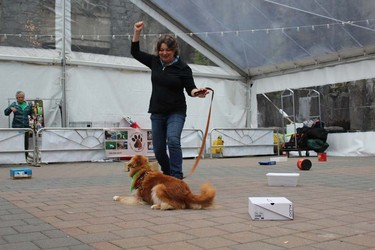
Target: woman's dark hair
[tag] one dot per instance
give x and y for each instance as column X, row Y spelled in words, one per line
column 171, row 43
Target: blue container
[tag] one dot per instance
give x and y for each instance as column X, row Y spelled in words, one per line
column 267, row 163
column 20, row 173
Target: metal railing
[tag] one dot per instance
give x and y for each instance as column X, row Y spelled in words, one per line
column 87, row 144
column 243, row 141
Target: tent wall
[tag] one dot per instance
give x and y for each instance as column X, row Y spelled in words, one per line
column 104, row 95
column 37, row 81
column 317, row 77
column 107, row 95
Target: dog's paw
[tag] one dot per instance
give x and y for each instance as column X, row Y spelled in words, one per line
column 116, row 198
column 155, row 207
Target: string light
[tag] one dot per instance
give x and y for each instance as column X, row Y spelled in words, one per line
column 206, row 34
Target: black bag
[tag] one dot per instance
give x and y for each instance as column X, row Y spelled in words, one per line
column 317, row 133
column 317, row 145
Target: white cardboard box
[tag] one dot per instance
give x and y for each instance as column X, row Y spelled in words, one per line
column 279, row 159
column 270, row 208
column 283, row 179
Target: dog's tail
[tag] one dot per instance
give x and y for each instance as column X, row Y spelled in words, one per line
column 205, row 198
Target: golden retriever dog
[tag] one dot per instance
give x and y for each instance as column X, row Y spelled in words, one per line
column 162, row 191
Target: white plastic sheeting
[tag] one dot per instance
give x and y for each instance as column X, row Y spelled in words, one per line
column 11, row 146
column 71, row 145
column 351, row 144
column 244, row 142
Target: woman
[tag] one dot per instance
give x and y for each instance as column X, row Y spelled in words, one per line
column 21, row 110
column 169, row 77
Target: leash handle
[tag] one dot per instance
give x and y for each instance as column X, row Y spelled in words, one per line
column 204, row 135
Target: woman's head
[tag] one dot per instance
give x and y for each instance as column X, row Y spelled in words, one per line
column 20, row 96
column 167, row 48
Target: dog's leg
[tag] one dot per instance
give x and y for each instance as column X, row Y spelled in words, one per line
column 128, row 200
column 162, row 201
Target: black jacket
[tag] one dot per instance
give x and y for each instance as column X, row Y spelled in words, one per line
column 168, row 83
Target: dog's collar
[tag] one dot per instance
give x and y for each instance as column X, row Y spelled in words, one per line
column 137, row 182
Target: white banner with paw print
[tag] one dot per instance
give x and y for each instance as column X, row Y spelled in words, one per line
column 123, row 142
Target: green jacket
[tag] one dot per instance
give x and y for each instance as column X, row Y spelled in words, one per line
column 20, row 117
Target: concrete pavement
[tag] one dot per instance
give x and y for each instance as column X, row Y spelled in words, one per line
column 70, row 206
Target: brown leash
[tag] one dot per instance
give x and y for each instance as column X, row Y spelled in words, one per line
column 204, row 136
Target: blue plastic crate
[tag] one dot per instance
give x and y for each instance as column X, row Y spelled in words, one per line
column 20, row 173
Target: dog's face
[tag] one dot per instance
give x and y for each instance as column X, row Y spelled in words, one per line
column 136, row 163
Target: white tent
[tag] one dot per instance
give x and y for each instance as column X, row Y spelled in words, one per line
column 259, row 46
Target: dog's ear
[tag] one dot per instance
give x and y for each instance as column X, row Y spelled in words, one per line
column 139, row 160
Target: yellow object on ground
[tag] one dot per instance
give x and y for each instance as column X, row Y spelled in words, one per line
column 218, row 145
column 277, row 142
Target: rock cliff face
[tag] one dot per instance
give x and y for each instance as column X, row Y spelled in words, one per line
column 349, row 105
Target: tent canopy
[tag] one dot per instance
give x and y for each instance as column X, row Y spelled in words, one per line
column 258, row 37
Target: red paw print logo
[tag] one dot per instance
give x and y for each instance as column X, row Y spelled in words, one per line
column 136, row 143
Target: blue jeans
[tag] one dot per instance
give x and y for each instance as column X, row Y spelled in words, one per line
column 166, row 132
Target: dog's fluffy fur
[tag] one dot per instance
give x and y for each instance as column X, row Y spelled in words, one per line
column 162, row 191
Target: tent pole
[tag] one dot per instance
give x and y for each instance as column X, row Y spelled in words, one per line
column 249, row 84
column 63, row 69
